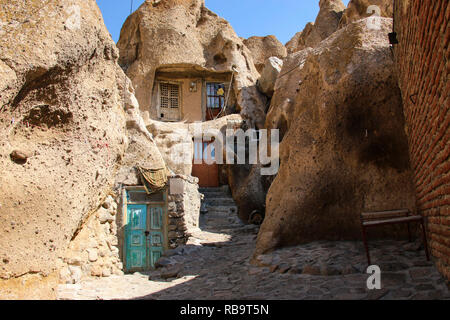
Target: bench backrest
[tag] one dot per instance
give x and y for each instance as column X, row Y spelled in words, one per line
column 379, row 215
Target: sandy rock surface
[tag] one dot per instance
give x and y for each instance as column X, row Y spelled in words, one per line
column 63, row 135
column 269, row 75
column 360, row 9
column 262, row 48
column 59, row 95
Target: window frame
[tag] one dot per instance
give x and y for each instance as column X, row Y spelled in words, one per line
column 159, row 98
column 215, row 96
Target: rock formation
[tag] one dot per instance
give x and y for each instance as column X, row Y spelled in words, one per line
column 344, row 148
column 269, row 75
column 63, row 136
column 262, row 48
column 175, row 140
column 359, row 9
column 186, row 35
column 326, row 23
column 286, row 88
column 249, row 189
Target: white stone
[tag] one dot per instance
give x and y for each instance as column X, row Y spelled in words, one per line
column 176, row 186
column 272, row 69
column 76, row 273
column 106, row 272
column 92, row 255
column 104, row 216
column 65, row 275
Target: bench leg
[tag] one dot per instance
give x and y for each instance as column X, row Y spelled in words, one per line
column 366, row 246
column 409, row 232
column 425, row 243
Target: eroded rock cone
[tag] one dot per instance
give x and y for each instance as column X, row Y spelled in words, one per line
column 345, row 148
column 185, row 35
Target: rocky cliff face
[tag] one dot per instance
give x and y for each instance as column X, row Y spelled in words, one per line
column 360, row 9
column 326, row 23
column 187, row 35
column 333, row 15
column 344, row 147
column 61, row 90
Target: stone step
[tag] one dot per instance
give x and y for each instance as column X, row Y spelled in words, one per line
column 220, row 197
column 216, row 194
column 219, row 214
column 221, row 189
column 214, row 202
column 224, row 191
column 219, row 220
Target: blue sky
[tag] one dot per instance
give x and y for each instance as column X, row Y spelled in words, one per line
column 282, row 18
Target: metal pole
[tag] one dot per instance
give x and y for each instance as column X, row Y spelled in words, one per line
column 131, row 9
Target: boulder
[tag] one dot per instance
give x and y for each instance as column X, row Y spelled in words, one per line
column 92, row 255
column 248, row 188
column 269, row 75
column 262, row 48
column 326, row 23
column 345, row 149
column 187, row 36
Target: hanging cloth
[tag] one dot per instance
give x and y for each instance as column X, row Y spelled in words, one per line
column 153, row 180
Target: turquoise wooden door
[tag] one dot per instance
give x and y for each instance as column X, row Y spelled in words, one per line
column 135, row 238
column 156, row 238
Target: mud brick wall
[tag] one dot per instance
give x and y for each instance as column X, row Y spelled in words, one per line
column 422, row 60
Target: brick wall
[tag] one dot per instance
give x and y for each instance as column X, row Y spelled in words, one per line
column 422, row 60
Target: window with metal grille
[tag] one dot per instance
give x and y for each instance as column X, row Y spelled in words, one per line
column 169, row 95
column 215, row 95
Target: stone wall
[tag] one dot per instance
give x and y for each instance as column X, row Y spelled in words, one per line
column 422, row 65
column 94, row 250
column 184, row 211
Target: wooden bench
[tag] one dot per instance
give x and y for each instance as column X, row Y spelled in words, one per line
column 380, row 218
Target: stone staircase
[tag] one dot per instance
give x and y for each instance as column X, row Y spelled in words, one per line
column 219, row 211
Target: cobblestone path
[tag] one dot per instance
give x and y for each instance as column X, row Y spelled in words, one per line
column 215, row 264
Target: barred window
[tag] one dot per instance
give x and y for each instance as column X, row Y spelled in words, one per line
column 169, row 95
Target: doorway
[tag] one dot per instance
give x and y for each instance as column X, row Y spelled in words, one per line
column 208, row 174
column 146, row 223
